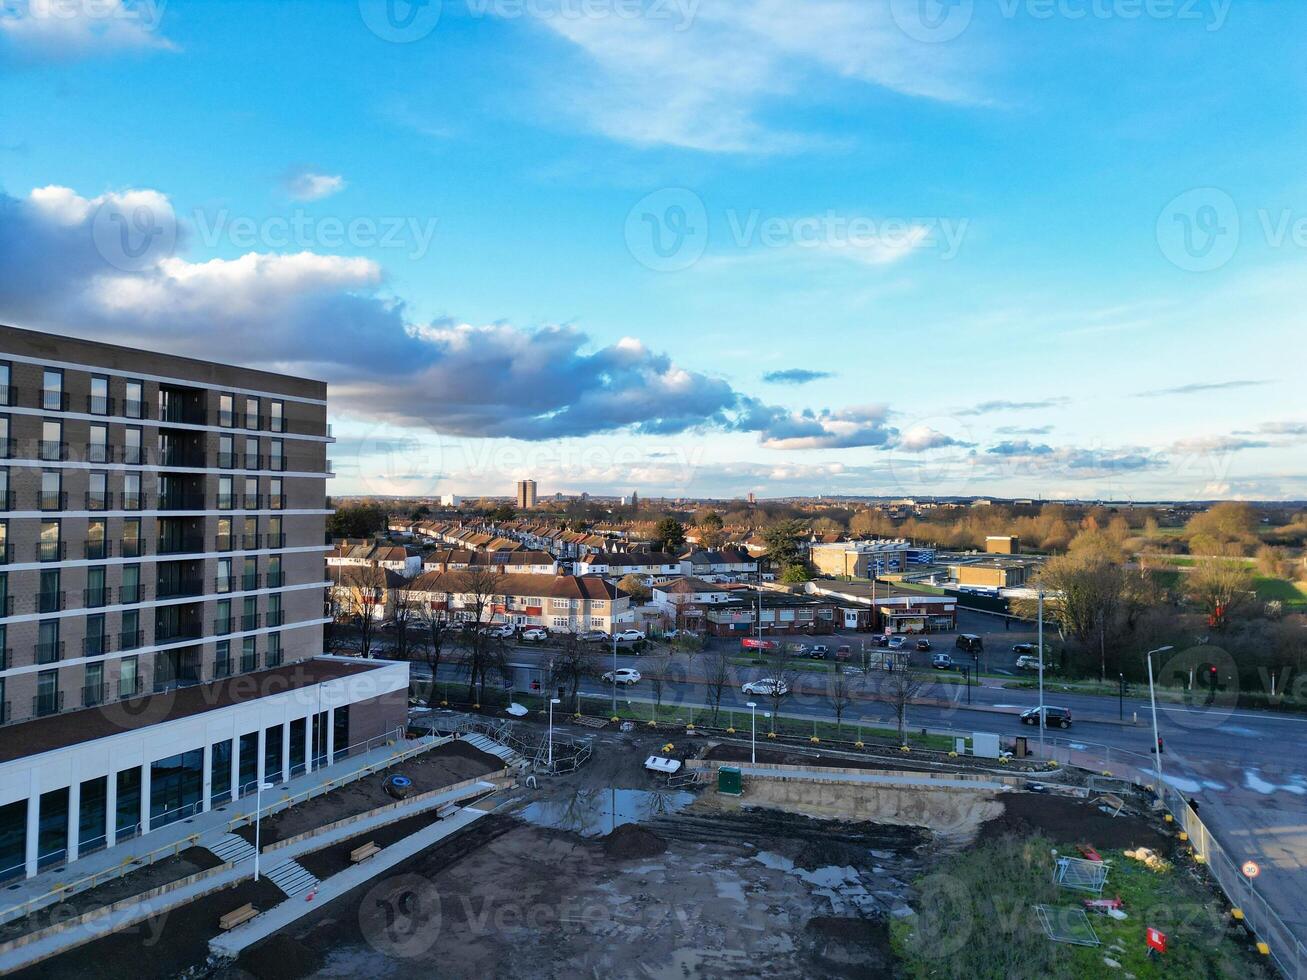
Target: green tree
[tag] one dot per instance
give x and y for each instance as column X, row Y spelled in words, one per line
column 783, row 540
column 669, row 535
column 357, row 521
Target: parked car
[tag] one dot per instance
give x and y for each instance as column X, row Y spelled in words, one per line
column 923, row 644
column 629, row 636
column 680, row 635
column 593, row 636
column 881, row 640
column 970, row 643
column 535, row 634
column 1053, row 717
column 767, row 686
column 625, row 676
column 844, row 652
column 1029, row 663
column 1024, row 648
column 504, row 631
column 942, row 661
column 819, row 651
column 896, row 642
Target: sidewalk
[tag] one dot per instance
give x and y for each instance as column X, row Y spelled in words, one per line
column 126, row 856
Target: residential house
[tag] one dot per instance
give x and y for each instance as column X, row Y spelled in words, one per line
column 561, row 603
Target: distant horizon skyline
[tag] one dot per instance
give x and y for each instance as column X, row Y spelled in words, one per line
column 706, row 248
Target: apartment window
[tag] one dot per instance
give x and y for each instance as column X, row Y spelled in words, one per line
column 131, row 537
column 52, row 484
column 5, row 557
column 224, row 542
column 224, row 575
column 252, row 452
column 275, row 538
column 6, row 378
column 96, row 594
column 98, row 403
column 52, row 390
column 250, row 574
column 129, row 677
column 50, row 597
column 251, row 413
column 250, row 534
column 222, row 667
column 6, row 445
column 97, row 492
column 134, row 404
column 226, row 452
column 49, row 546
column 275, row 578
column 275, row 615
column 249, row 655
column 6, row 600
column 251, row 492
column 275, row 498
column 277, row 416
column 274, row 650
column 132, row 453
column 97, row 443
column 226, row 493
column 97, row 547
column 226, row 411
column 130, row 636
column 52, row 439
column 4, row 488
column 48, row 699
column 93, row 685
column 250, row 613
column 222, row 617
column 47, row 641
column 94, row 645
column 130, row 590
column 132, row 491
column 560, row 622
column 276, row 454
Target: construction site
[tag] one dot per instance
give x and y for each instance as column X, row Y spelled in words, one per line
column 480, row 845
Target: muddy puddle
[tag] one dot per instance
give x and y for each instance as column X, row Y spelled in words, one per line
column 595, row 812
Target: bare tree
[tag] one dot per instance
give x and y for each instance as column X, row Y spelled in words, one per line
column 717, row 671
column 659, row 668
column 1220, row 586
column 484, row 655
column 405, row 608
column 839, row 691
column 783, row 682
column 574, row 662
column 435, row 625
column 363, row 596
column 901, row 686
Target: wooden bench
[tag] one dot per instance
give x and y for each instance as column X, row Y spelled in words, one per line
column 364, row 852
column 234, row 918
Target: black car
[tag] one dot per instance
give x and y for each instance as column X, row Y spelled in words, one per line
column 1053, row 717
column 923, row 645
column 881, row 640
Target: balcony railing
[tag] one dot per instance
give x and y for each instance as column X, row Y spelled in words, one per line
column 133, row 455
column 54, row 401
column 249, row 661
column 131, row 548
column 52, row 450
column 99, row 405
column 97, row 500
column 128, row 594
column 169, row 632
column 96, row 597
column 50, row 550
column 93, row 694
column 249, row 542
column 277, row 501
column 226, row 419
column 249, row 581
column 223, row 542
column 181, row 501
column 8, row 395
column 129, row 687
column 4, row 658
column 224, row 625
column 253, row 461
column 277, row 463
column 6, row 554
column 226, row 461
column 276, row 423
column 226, row 501
column 252, row 501
column 97, row 549
column 222, row 667
column 181, row 457
column 223, row 583
column 186, row 543
column 274, row 657
column 53, row 500
column 8, row 448
column 51, row 601
column 253, row 421
column 274, row 540
column 99, row 453
column 48, row 704
column 250, row 621
column 131, row 639
column 49, row 651
column 134, row 409
column 180, row 588
column 275, row 580
column 4, row 712
column 95, row 646
column 274, row 617
column 133, row 501
column 6, row 605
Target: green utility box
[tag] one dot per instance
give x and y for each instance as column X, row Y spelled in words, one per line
column 728, row 781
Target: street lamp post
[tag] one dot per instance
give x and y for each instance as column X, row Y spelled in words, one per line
column 753, row 717
column 1157, row 739
column 258, row 821
column 1041, row 673
column 552, row 702
column 1120, row 697
column 614, row 672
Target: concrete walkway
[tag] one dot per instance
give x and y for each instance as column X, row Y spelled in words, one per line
column 125, row 857
column 229, row 945
column 907, row 779
column 56, row 943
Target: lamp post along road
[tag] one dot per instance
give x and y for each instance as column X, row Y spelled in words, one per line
column 552, row 702
column 753, row 717
column 258, row 823
column 1041, row 673
column 614, row 671
column 1157, row 739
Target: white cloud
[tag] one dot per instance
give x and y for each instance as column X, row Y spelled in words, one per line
column 68, row 29
column 309, row 185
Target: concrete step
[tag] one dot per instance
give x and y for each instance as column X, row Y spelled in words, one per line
column 292, row 878
column 232, row 848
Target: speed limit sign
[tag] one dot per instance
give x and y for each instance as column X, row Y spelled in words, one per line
column 1250, row 869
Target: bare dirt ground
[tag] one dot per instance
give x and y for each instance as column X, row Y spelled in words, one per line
column 190, row 861
column 1068, row 821
column 442, row 766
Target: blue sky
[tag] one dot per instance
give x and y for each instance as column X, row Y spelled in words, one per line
column 694, row 247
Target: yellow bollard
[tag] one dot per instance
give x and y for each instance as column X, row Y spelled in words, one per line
column 1237, row 914
column 1263, row 949
column 1184, row 835
column 1169, row 819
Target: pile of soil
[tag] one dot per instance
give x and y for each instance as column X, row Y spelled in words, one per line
column 851, row 947
column 1070, row 821
column 631, row 841
column 816, row 854
column 280, row 956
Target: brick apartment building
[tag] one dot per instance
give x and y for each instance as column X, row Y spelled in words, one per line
column 161, row 594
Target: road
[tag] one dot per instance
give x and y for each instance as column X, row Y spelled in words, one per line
column 1246, row 770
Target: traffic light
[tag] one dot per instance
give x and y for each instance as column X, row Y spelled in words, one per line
column 1160, row 748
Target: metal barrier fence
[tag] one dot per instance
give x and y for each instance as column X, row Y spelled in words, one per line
column 1286, row 949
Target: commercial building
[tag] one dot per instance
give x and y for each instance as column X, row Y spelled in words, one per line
column 161, row 594
column 526, row 494
column 778, row 613
column 868, row 559
column 880, row 607
column 1002, row 544
column 992, row 574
